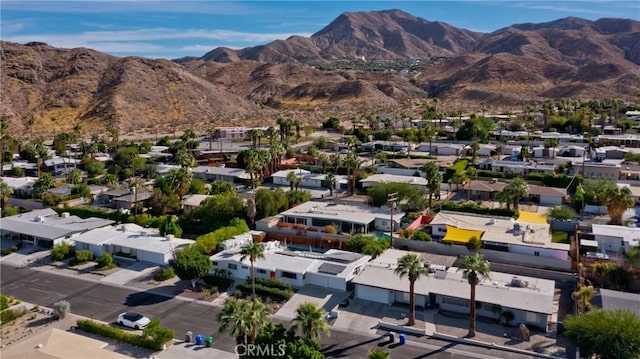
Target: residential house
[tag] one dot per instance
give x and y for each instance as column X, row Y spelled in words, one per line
column 613, row 152
column 60, row 165
column 442, row 149
column 530, row 300
column 192, row 201
column 128, row 201
column 616, row 239
column 610, row 170
column 226, row 174
column 572, row 151
column 45, row 228
column 21, row 186
column 418, row 182
column 231, row 133
column 519, row 167
column 563, row 137
column 107, row 197
column 618, row 140
column 486, row 150
column 132, row 242
column 308, row 179
column 333, row 269
column 348, row 219
column 63, row 190
column 392, row 146
column 487, row 191
column 633, row 115
column 529, row 235
column 613, row 299
column 550, row 196
column 544, row 152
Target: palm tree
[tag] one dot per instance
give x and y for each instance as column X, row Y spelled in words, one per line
column 242, row 319
column 311, row 321
column 253, row 251
column 353, row 162
column 210, row 134
column 432, row 175
column 474, row 267
column 255, row 133
column 336, row 161
column 292, row 178
column 331, row 181
column 378, row 354
column 517, row 189
column 583, row 297
column 412, row 266
column 323, row 160
column 5, row 192
column 617, row 200
column 429, row 132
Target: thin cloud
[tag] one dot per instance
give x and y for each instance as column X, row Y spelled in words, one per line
column 566, row 8
column 8, row 27
column 153, row 34
column 119, row 6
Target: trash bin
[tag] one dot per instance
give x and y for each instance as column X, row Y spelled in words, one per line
column 188, row 336
column 392, row 337
column 402, row 338
column 199, row 339
column 208, row 342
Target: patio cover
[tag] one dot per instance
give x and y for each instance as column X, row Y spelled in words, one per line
column 532, row 217
column 462, row 236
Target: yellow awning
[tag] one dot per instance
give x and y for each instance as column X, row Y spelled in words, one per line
column 532, row 217
column 462, row 236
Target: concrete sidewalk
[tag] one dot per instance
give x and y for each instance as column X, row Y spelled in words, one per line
column 129, row 273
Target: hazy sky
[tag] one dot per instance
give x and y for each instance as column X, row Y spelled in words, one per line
column 173, row 29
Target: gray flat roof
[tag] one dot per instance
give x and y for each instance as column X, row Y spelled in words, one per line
column 536, row 297
column 135, row 240
column 613, row 299
column 340, row 212
column 49, row 225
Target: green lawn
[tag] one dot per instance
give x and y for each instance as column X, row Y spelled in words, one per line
column 559, row 237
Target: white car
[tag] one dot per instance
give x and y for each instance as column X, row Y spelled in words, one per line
column 133, row 320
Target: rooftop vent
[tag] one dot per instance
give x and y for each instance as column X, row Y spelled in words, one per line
column 65, row 215
column 517, row 282
column 39, row 219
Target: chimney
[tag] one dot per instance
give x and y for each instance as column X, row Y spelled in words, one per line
column 65, row 215
column 170, row 237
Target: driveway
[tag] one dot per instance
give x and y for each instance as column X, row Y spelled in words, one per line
column 324, row 298
column 361, row 316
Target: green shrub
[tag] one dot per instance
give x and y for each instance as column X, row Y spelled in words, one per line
column 61, row 252
column 5, row 252
column 261, row 290
column 61, row 309
column 208, row 243
column 153, row 337
column 4, row 302
column 216, row 281
column 274, row 283
column 105, row 261
column 472, row 207
column 163, row 274
column 421, row 236
column 9, row 315
column 83, row 257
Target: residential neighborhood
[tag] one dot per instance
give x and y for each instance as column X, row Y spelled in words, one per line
column 503, row 229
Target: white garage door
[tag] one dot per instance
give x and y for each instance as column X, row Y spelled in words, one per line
column 372, row 294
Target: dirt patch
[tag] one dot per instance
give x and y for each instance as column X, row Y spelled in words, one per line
column 200, row 292
column 34, row 321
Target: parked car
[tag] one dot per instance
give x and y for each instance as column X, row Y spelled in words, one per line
column 133, row 320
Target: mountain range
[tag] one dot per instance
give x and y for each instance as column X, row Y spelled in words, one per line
column 298, row 77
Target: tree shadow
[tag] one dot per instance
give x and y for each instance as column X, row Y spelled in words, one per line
column 145, row 298
column 341, row 352
column 436, row 351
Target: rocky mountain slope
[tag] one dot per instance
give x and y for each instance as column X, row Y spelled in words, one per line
column 519, row 64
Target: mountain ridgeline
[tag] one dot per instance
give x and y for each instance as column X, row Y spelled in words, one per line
column 523, row 63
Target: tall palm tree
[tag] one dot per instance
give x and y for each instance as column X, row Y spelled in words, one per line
column 323, row 160
column 292, row 178
column 429, row 132
column 242, row 319
column 311, row 320
column 253, row 251
column 413, row 267
column 474, row 267
column 517, row 189
column 433, row 177
column 353, row 162
column 5, row 192
column 331, row 181
column 210, row 134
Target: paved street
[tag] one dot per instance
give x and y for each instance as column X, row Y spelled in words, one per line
column 104, row 302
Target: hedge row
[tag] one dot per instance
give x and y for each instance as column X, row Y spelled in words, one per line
column 273, row 283
column 154, row 343
column 472, row 207
column 9, row 315
column 261, row 290
column 86, row 212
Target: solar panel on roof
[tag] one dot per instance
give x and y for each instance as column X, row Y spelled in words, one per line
column 330, row 268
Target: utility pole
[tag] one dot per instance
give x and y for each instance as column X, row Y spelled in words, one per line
column 392, row 200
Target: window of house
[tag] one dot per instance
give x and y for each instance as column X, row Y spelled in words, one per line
column 261, row 271
column 245, row 267
column 536, row 253
column 214, row 263
column 289, row 275
column 456, row 301
column 232, row 266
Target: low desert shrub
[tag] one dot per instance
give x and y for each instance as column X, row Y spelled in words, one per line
column 163, row 274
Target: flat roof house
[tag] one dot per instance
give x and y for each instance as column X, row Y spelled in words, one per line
column 487, row 190
column 616, row 239
column 192, row 201
column 613, row 299
column 348, row 218
column 308, row 179
column 528, row 236
column 131, row 241
column 530, row 300
column 331, row 269
column 415, row 181
column 227, row 174
column 45, row 228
